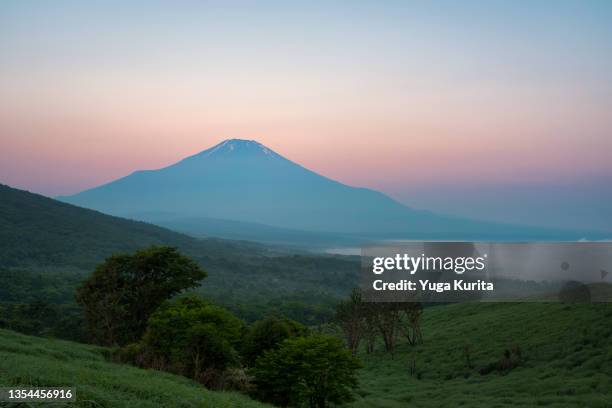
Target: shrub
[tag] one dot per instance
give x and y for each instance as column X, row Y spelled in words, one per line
column 237, row 378
column 314, row 371
column 267, row 334
column 193, row 338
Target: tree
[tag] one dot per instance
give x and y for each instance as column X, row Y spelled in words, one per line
column 192, row 337
column 370, row 328
column 125, row 289
column 267, row 334
column 315, row 371
column 387, row 318
column 350, row 314
column 412, row 330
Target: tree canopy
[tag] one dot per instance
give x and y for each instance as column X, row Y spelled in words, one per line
column 125, row 289
column 190, row 336
column 267, row 334
column 316, row 371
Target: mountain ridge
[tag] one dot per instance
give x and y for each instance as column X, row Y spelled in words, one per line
column 243, row 180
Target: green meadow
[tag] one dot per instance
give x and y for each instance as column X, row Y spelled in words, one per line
column 566, row 359
column 566, row 355
column 41, row 362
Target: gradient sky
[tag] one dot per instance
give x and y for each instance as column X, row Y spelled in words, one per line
column 442, row 104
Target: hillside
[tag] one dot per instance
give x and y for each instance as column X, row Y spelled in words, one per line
column 242, row 180
column 39, row 231
column 566, row 351
column 39, row 234
column 38, row 362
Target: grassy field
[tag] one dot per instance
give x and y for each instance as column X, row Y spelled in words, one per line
column 566, row 361
column 32, row 361
column 566, row 350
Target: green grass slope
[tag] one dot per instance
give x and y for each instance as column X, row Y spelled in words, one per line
column 566, row 349
column 39, row 362
column 567, row 352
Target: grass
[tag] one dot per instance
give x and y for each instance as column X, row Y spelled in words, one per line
column 40, row 362
column 566, row 359
column 566, row 362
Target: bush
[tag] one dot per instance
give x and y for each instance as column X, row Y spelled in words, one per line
column 193, row 338
column 510, row 359
column 132, row 354
column 238, row 379
column 314, row 371
column 267, row 334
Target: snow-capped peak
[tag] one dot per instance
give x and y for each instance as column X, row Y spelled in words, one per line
column 242, row 146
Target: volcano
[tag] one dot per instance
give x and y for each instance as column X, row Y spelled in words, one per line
column 249, row 186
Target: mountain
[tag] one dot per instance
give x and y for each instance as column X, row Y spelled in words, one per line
column 244, row 181
column 250, row 231
column 42, row 232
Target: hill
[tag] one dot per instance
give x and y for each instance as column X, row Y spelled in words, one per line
column 565, row 351
column 242, row 180
column 565, row 348
column 39, row 362
column 39, row 231
column 48, row 246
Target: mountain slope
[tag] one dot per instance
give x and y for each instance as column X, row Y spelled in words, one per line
column 251, row 231
column 39, row 234
column 39, row 231
column 245, row 181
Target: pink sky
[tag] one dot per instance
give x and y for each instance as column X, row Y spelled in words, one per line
column 63, row 146
column 390, row 97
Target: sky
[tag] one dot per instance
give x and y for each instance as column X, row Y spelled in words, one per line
column 498, row 110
